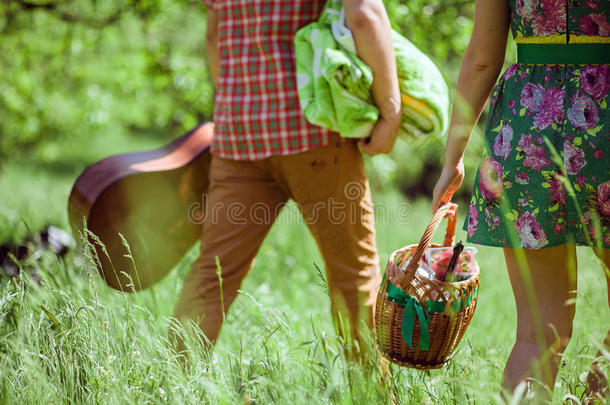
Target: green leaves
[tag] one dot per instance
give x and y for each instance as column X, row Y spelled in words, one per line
column 51, row 316
column 73, row 70
column 84, row 78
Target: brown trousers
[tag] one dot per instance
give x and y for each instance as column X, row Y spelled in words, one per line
column 331, row 189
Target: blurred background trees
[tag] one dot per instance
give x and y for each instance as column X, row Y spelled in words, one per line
column 79, row 73
column 74, row 70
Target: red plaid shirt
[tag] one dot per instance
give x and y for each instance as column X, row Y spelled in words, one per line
column 256, row 111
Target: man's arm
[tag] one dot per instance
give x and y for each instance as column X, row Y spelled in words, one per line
column 211, row 44
column 370, row 27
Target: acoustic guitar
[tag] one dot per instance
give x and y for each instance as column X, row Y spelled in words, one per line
column 143, row 211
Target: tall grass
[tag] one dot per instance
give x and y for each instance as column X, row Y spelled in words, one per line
column 70, row 339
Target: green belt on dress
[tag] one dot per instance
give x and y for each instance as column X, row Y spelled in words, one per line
column 564, row 54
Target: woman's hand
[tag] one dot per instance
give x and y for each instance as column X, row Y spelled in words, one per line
column 448, row 183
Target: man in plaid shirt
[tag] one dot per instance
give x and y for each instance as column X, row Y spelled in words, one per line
column 265, row 153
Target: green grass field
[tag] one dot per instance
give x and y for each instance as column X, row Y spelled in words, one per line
column 71, row 339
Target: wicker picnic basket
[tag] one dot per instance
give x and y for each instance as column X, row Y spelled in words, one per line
column 418, row 321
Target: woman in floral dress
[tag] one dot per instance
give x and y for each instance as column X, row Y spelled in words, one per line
column 543, row 186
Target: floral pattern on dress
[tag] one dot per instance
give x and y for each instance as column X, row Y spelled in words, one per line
column 545, row 17
column 544, row 178
column 548, row 17
column 589, row 17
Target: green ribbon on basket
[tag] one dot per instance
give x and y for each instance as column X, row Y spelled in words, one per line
column 470, row 297
column 414, row 309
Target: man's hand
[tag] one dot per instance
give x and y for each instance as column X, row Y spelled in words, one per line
column 370, row 27
column 386, row 129
column 382, row 137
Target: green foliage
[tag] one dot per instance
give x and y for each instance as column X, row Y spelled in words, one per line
column 81, row 79
column 440, row 27
column 76, row 69
column 71, row 339
column 92, row 71
column 414, row 167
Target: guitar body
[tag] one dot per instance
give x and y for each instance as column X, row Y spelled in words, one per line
column 155, row 200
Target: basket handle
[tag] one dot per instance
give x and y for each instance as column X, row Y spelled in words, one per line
column 448, row 210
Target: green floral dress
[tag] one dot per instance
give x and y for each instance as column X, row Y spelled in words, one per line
column 544, row 179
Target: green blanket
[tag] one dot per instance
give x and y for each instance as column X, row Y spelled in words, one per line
column 334, row 85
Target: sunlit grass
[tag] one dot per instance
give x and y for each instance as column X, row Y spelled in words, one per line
column 72, row 339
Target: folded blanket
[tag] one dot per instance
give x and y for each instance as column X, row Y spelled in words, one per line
column 334, row 85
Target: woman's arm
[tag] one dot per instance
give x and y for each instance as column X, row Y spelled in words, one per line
column 370, row 27
column 480, row 68
column 211, row 44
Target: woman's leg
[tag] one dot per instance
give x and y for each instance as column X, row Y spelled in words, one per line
column 596, row 381
column 543, row 283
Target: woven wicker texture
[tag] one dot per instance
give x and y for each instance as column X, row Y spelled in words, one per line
column 445, row 328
